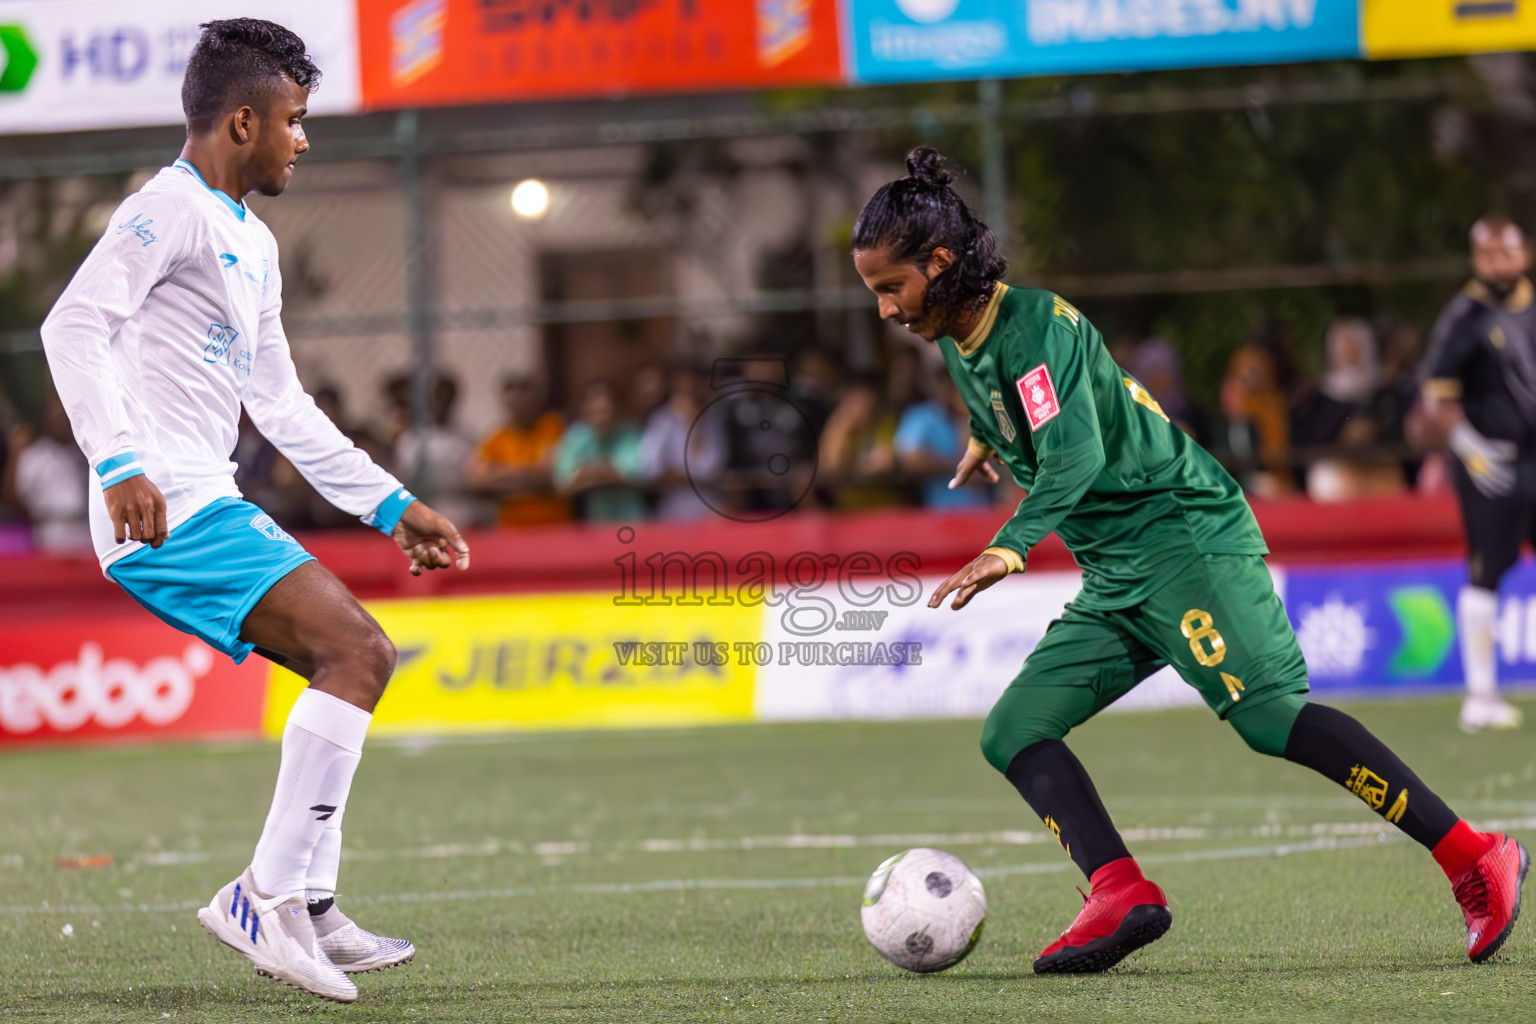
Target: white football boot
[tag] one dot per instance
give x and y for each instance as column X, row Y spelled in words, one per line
column 275, row 934
column 1480, row 713
column 355, row 949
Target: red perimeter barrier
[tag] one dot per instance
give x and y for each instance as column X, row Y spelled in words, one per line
column 583, row 557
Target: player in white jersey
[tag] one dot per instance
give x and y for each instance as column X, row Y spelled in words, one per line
column 169, row 328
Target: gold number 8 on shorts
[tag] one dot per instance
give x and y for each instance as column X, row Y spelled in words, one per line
column 1198, row 627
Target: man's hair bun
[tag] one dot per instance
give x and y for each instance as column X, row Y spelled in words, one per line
column 926, row 166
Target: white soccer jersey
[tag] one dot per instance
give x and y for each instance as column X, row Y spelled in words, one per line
column 170, row 325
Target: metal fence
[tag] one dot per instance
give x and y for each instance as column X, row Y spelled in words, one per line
column 693, row 226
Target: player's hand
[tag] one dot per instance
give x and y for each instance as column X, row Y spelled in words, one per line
column 1490, row 462
column 431, row 541
column 970, row 462
column 983, row 571
column 137, row 510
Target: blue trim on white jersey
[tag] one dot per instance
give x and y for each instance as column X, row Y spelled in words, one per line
column 238, row 209
column 387, row 515
column 118, row 468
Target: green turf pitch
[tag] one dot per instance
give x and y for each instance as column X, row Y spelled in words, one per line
column 715, row 874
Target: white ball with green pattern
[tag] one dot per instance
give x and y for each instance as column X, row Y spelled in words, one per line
column 924, row 910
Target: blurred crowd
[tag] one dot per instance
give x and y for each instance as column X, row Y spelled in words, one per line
column 1354, row 431
column 751, row 437
column 745, row 438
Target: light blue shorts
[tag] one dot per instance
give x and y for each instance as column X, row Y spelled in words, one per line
column 208, row 576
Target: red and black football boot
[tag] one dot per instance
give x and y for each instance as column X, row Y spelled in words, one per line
column 1121, row 913
column 1489, row 894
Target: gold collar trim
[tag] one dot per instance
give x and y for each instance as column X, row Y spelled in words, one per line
column 984, row 327
column 1517, row 301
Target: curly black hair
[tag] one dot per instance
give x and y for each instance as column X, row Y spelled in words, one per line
column 238, row 61
column 915, row 215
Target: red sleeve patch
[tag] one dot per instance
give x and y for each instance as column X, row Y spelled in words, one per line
column 1038, row 395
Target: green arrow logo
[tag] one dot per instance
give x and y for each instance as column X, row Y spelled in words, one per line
column 1429, row 632
column 20, row 58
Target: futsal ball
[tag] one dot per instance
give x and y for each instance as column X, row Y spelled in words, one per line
column 923, row 910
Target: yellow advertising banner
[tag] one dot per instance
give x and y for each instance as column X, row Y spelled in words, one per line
column 1423, row 28
column 554, row 661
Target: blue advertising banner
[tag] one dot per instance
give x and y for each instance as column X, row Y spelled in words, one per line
column 1369, row 627
column 913, row 40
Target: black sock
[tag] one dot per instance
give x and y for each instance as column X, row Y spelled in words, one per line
column 1052, row 781
column 1335, row 745
column 318, row 907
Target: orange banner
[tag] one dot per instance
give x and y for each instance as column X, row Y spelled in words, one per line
column 434, row 52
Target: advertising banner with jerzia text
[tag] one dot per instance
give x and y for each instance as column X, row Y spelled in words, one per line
column 70, row 65
column 911, row 40
column 553, row 661
column 858, row 643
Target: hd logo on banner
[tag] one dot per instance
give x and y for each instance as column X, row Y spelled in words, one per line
column 119, row 64
column 907, row 40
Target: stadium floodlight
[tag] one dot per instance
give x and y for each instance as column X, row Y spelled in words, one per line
column 530, row 199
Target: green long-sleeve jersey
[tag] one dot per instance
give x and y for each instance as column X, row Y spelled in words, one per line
column 1132, row 496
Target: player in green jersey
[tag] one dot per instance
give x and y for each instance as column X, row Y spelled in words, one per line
column 1172, row 565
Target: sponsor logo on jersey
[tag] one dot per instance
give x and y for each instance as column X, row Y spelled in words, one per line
column 111, row 692
column 267, row 527
column 259, row 276
column 220, row 338
column 1038, row 395
column 1004, row 424
column 139, row 225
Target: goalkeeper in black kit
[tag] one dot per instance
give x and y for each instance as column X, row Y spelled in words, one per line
column 1480, row 393
column 1173, row 573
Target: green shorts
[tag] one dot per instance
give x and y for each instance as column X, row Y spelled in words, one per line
column 1219, row 623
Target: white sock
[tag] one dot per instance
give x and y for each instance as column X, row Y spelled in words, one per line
column 1477, row 612
column 325, row 864
column 322, row 743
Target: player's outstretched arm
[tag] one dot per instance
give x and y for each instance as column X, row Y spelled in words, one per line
column 137, row 511
column 431, row 541
column 975, row 458
column 982, row 571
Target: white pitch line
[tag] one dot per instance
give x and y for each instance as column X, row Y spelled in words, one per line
column 824, row 841
column 1318, row 844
